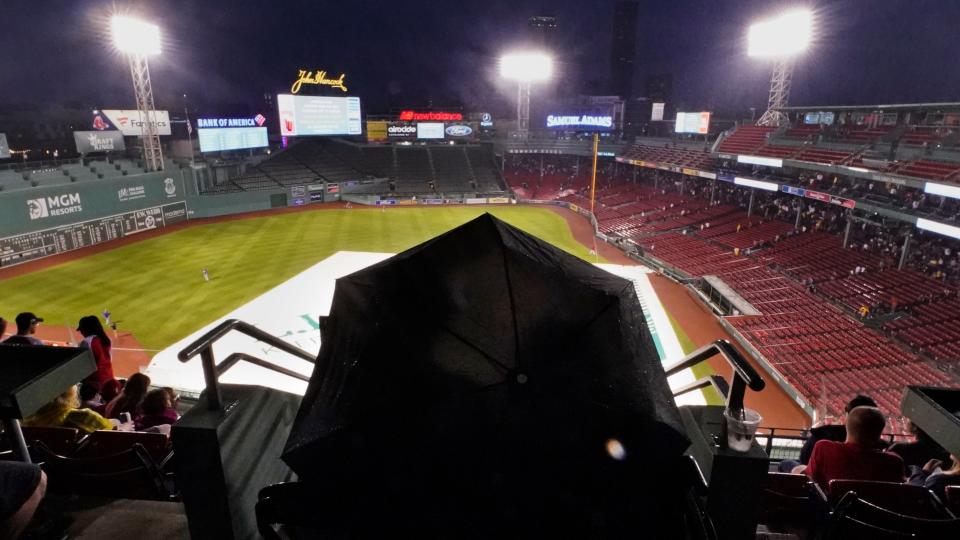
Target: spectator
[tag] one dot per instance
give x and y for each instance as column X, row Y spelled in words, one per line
column 157, row 410
column 933, row 477
column 110, row 390
column 130, row 398
column 26, row 326
column 65, row 411
column 3, row 327
column 96, row 339
column 24, row 486
column 921, row 451
column 857, row 458
column 90, row 397
column 833, row 432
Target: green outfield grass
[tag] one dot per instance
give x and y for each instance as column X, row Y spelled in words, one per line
column 154, row 288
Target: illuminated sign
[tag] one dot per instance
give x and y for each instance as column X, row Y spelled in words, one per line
column 318, row 78
column 319, row 115
column 413, row 116
column 429, row 130
column 254, row 121
column 233, row 138
column 376, row 130
column 458, row 130
column 129, row 122
column 747, row 182
column 694, row 122
column 486, row 120
column 940, row 228
column 656, row 114
column 585, row 121
column 401, row 131
column 757, row 160
column 935, row 189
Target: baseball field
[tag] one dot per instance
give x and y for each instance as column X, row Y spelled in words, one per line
column 155, row 288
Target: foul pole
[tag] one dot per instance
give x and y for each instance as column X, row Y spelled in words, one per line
column 593, row 193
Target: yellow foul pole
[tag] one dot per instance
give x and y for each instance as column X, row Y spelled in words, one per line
column 593, row 191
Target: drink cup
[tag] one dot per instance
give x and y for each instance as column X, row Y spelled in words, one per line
column 741, row 428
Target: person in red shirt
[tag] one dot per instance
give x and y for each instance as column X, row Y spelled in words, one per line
column 96, row 339
column 857, row 458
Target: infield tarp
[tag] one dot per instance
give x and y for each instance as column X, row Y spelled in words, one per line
column 486, row 381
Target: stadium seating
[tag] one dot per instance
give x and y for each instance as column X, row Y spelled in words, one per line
column 411, row 169
column 745, row 139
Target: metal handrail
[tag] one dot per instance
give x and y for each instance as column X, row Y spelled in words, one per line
column 716, row 381
column 211, row 371
column 744, row 376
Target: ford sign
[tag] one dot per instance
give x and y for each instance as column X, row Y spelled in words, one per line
column 459, row 131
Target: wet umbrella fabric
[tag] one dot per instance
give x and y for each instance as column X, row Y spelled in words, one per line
column 486, row 381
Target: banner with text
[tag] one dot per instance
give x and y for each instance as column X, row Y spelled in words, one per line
column 98, row 141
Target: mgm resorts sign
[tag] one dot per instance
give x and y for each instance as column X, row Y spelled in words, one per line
column 57, row 205
column 98, row 141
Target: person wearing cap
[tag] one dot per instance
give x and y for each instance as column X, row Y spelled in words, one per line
column 26, row 326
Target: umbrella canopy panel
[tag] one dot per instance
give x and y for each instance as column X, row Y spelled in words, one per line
column 486, row 373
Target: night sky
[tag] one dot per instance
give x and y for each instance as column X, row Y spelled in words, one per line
column 225, row 54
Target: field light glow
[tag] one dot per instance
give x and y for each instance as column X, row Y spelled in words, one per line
column 134, row 36
column 781, row 37
column 526, row 67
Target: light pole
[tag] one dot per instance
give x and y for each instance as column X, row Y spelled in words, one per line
column 138, row 40
column 525, row 68
column 781, row 39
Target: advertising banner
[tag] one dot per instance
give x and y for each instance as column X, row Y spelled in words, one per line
column 792, row 190
column 376, row 131
column 129, row 122
column 4, row 148
column 429, row 130
column 692, row 122
column 459, row 131
column 498, row 200
column 473, row 200
column 98, row 141
column 593, row 119
column 399, row 130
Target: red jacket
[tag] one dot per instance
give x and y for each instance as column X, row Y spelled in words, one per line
column 833, row 460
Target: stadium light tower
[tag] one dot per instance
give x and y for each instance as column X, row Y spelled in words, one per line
column 525, row 68
column 781, row 39
column 138, row 40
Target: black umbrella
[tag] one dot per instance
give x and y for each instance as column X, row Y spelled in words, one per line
column 487, row 381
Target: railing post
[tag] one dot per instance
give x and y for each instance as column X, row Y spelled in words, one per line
column 210, row 377
column 15, row 437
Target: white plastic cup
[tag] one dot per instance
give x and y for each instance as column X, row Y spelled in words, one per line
column 741, row 429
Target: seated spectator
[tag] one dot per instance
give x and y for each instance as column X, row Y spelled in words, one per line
column 157, row 410
column 130, row 398
column 831, row 432
column 65, row 411
column 23, row 487
column 857, row 458
column 26, row 326
column 934, row 477
column 90, row 397
column 919, row 452
column 110, row 390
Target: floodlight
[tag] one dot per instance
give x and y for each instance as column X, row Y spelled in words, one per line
column 781, row 37
column 134, row 36
column 526, row 67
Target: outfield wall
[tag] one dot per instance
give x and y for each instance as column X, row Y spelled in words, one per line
column 48, row 220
